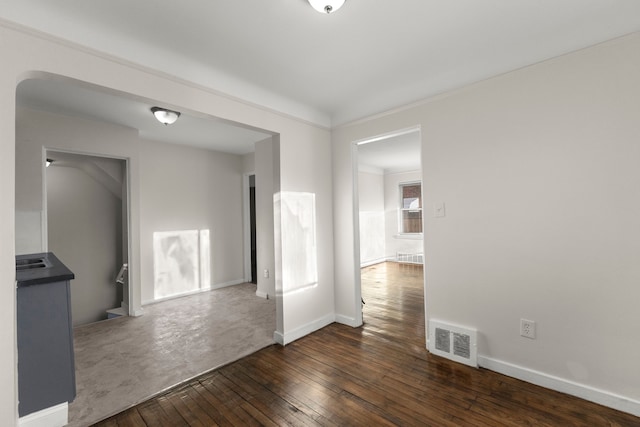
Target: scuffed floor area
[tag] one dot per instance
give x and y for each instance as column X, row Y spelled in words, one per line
column 124, row 361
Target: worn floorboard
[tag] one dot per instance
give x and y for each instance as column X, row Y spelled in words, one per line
column 377, row 375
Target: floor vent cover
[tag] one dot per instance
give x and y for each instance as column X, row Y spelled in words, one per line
column 453, row 342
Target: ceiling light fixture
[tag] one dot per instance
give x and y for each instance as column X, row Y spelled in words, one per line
column 164, row 116
column 326, row 6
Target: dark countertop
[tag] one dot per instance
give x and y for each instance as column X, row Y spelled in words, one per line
column 41, row 268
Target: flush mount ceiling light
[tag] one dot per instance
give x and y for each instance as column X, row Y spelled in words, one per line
column 164, row 116
column 326, row 6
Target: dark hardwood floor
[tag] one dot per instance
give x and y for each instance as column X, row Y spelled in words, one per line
column 376, row 375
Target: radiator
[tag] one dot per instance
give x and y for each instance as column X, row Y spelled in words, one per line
column 409, row 258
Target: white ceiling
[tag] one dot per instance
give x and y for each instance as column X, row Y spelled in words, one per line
column 366, row 58
column 66, row 97
column 391, row 154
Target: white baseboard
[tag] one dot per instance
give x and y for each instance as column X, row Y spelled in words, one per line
column 197, row 291
column 601, row 397
column 284, row 339
column 278, row 337
column 227, row 284
column 346, row 320
column 55, row 416
column 375, row 261
column 262, row 294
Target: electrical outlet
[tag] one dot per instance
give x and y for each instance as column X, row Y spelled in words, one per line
column 265, row 273
column 528, row 328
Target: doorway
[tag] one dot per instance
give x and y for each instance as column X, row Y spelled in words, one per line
column 86, row 213
column 388, row 220
column 250, row 228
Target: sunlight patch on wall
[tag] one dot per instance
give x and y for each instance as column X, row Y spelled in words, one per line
column 299, row 250
column 181, row 262
column 372, row 236
column 205, row 264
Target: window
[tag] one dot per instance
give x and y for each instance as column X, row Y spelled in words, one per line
column 411, row 208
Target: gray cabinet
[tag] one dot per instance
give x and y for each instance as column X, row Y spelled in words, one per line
column 46, row 370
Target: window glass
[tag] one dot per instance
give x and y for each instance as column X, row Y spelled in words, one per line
column 411, row 208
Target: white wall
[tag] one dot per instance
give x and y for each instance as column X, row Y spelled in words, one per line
column 37, row 130
column 396, row 242
column 372, row 217
column 266, row 179
column 305, row 168
column 181, row 188
column 539, row 172
column 249, row 163
column 303, row 156
column 378, row 200
column 184, row 188
column 85, row 234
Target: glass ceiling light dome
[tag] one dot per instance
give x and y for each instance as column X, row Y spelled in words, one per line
column 326, row 6
column 164, row 116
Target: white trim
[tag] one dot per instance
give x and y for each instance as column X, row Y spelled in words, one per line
column 349, row 321
column 197, row 291
column 388, row 135
column 246, row 222
column 409, row 236
column 592, row 394
column 288, row 337
column 133, row 267
column 448, row 93
column 278, row 337
column 129, row 305
column 55, row 416
column 376, row 261
column 262, row 294
column 406, row 172
column 226, row 284
column 44, row 223
column 357, row 279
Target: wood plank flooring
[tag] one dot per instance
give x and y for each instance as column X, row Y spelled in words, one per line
column 376, row 375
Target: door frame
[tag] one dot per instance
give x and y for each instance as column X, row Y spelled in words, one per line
column 126, row 228
column 356, row 216
column 246, row 225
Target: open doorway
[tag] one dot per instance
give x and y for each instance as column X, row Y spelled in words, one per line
column 86, row 213
column 388, row 211
column 252, row 227
column 250, row 239
column 166, row 169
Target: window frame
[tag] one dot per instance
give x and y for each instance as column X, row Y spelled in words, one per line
column 402, row 209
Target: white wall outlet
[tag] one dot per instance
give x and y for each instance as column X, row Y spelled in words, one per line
column 528, row 328
column 266, row 273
